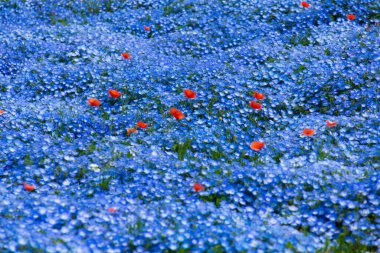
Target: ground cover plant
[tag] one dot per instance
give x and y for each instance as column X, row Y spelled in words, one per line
column 189, row 126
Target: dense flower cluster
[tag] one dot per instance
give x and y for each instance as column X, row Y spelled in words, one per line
column 189, row 125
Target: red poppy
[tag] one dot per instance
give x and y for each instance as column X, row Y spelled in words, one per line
column 308, row 132
column 331, row 123
column 114, row 93
column 177, row 113
column 258, row 95
column 255, row 105
column 142, row 124
column 351, row 16
column 131, row 130
column 29, row 187
column 126, row 55
column 257, row 145
column 190, row 94
column 93, row 102
column 305, row 4
column 198, row 187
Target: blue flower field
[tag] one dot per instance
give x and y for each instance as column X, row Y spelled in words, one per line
column 177, row 126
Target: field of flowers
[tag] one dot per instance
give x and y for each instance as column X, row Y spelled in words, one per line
column 189, row 126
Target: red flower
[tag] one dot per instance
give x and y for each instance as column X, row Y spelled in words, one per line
column 126, row 55
column 331, row 123
column 177, row 113
column 131, row 130
column 305, row 4
column 142, row 124
column 29, row 187
column 114, row 93
column 198, row 187
column 351, row 16
column 255, row 105
column 190, row 94
column 308, row 132
column 257, row 145
column 93, row 102
column 258, row 95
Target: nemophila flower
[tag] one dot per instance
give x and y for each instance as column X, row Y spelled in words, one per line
column 2, row 112
column 126, row 56
column 142, row 124
column 351, row 16
column 190, row 94
column 257, row 145
column 198, row 187
column 114, row 93
column 93, row 102
column 176, row 113
column 146, row 28
column 255, row 105
column 85, row 161
column 94, row 167
column 28, row 187
column 331, row 123
column 305, row 4
column 308, row 132
column 258, row 95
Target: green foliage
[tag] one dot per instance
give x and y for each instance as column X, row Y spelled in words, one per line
column 300, row 69
column 80, row 174
column 27, row 160
column 181, row 148
column 214, row 198
column 29, row 249
column 343, row 245
column 105, row 184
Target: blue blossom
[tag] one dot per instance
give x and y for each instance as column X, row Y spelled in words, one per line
column 294, row 195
